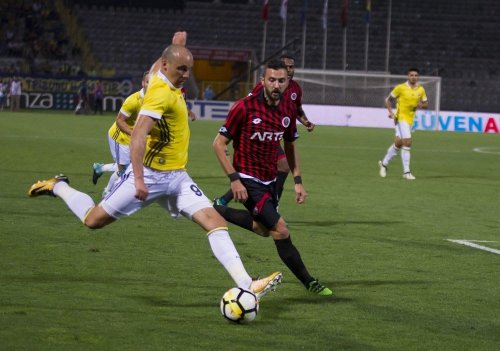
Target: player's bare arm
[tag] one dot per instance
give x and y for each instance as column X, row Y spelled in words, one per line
column 179, row 38
column 305, row 121
column 292, row 157
column 192, row 116
column 389, row 101
column 140, row 132
column 423, row 104
column 220, row 147
column 122, row 124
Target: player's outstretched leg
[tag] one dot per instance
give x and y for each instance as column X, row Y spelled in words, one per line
column 46, row 187
column 262, row 286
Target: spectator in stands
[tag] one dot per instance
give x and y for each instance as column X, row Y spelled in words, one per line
column 3, row 94
column 409, row 96
column 15, row 94
column 208, row 94
column 98, row 97
column 83, row 99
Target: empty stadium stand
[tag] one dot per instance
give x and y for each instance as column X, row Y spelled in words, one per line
column 456, row 40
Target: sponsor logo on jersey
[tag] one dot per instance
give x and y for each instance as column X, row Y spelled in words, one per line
column 256, row 120
column 223, row 129
column 267, row 136
column 293, row 96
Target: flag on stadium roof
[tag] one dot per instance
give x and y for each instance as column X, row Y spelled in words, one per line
column 265, row 11
column 303, row 14
column 368, row 17
column 324, row 16
column 283, row 9
column 343, row 13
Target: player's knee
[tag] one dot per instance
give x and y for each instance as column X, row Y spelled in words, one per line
column 92, row 224
column 96, row 220
column 281, row 230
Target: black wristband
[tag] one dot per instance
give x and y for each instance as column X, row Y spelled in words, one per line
column 297, row 179
column 233, row 176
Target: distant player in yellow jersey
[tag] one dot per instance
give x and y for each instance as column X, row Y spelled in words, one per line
column 119, row 137
column 159, row 154
column 409, row 97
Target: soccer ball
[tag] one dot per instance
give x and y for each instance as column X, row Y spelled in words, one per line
column 239, row 305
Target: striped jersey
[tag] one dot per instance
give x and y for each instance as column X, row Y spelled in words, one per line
column 130, row 108
column 168, row 142
column 256, row 130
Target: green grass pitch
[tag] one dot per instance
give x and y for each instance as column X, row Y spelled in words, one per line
column 148, row 282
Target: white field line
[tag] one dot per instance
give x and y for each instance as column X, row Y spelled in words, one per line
column 476, row 246
column 488, row 150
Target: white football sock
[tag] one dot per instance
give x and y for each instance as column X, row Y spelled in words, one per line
column 405, row 157
column 79, row 203
column 225, row 251
column 110, row 167
column 391, row 152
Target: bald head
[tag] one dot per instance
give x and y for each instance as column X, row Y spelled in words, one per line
column 177, row 61
column 173, row 52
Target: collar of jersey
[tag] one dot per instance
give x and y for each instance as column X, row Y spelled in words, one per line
column 409, row 86
column 141, row 92
column 165, row 79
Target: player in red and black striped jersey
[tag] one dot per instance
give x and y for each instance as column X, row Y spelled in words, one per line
column 292, row 93
column 257, row 129
column 256, row 125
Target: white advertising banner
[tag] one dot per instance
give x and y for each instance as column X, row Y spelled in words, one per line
column 349, row 116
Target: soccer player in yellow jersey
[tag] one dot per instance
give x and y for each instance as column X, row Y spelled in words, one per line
column 119, row 137
column 409, row 96
column 158, row 173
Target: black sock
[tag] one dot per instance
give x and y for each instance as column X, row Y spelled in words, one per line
column 280, row 183
column 291, row 257
column 241, row 218
column 227, row 197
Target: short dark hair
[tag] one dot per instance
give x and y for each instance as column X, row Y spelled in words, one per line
column 287, row 56
column 275, row 64
column 413, row 69
column 145, row 74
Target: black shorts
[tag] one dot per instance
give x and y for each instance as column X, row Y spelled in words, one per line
column 262, row 202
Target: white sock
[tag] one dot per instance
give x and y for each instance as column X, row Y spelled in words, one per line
column 114, row 177
column 391, row 152
column 79, row 203
column 225, row 251
column 405, row 157
column 110, row 167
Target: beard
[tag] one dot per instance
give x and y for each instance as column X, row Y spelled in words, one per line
column 273, row 95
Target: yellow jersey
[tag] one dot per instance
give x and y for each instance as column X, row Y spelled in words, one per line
column 130, row 108
column 168, row 142
column 407, row 101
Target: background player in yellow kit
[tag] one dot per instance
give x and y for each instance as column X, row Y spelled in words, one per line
column 119, row 137
column 408, row 97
